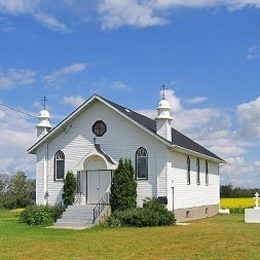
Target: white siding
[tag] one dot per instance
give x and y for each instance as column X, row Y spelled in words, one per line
column 193, row 195
column 121, row 140
column 39, row 176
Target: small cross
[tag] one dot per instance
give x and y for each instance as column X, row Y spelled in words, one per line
column 256, row 199
column 44, row 102
column 163, row 88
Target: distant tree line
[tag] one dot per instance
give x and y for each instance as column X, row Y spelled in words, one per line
column 228, row 191
column 16, row 191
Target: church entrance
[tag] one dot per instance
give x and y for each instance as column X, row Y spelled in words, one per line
column 97, row 183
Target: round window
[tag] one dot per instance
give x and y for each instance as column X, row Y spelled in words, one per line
column 99, row 128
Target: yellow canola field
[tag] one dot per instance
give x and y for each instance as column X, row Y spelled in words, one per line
column 237, row 203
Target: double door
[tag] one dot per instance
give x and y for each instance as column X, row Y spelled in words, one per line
column 97, row 184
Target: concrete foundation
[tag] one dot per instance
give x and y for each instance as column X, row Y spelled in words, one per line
column 188, row 214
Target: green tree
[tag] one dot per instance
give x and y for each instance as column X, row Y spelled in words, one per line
column 69, row 189
column 226, row 191
column 123, row 187
column 4, row 183
column 19, row 191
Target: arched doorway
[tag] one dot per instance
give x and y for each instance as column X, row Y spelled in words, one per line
column 95, row 171
column 98, row 178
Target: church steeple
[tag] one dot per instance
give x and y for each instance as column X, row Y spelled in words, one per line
column 163, row 119
column 43, row 126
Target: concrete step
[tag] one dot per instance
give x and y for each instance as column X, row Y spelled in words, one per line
column 76, row 216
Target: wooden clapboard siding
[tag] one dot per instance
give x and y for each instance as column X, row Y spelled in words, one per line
column 193, row 195
column 39, row 176
column 121, row 140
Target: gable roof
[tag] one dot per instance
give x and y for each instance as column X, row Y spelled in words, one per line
column 179, row 140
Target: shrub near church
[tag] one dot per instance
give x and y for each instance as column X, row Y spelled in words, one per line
column 123, row 202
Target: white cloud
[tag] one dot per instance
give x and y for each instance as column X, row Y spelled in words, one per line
column 74, row 101
column 12, row 78
column 58, row 78
column 248, row 115
column 119, row 85
column 240, row 172
column 18, row 6
column 112, row 13
column 196, row 100
column 124, row 12
column 51, row 22
column 145, row 13
column 17, row 133
column 173, row 100
column 253, row 53
column 34, row 9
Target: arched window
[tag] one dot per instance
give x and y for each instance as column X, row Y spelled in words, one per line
column 198, row 171
column 188, row 170
column 206, row 173
column 141, row 164
column 59, row 165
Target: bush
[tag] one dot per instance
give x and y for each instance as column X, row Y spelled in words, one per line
column 152, row 214
column 123, row 192
column 41, row 215
column 69, row 189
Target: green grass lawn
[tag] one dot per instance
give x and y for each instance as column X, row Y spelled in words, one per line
column 220, row 237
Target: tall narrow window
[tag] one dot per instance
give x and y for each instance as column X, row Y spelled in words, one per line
column 206, row 173
column 188, row 170
column 59, row 165
column 141, row 164
column 198, row 171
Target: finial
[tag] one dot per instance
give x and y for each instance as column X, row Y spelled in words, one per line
column 44, row 102
column 163, row 88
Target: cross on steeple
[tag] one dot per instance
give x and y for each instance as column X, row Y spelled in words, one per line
column 163, row 88
column 44, row 102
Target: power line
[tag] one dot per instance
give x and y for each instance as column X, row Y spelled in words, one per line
column 17, row 110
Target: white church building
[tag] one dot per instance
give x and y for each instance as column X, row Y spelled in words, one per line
column 91, row 140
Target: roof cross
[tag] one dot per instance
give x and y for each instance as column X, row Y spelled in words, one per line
column 163, row 88
column 44, row 102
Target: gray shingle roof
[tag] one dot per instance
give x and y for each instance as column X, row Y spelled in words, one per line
column 178, row 138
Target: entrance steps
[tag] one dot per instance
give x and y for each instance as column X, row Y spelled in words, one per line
column 76, row 216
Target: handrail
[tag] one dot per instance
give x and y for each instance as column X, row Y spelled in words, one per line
column 77, row 198
column 98, row 209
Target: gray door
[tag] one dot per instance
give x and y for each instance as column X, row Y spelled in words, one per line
column 97, row 184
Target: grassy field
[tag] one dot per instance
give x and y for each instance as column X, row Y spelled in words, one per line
column 220, row 237
column 237, row 203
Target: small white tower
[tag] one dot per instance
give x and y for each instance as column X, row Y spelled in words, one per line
column 163, row 119
column 44, row 126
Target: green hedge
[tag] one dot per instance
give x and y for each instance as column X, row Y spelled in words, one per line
column 41, row 215
column 152, row 214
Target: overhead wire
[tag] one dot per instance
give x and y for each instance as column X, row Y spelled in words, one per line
column 17, row 110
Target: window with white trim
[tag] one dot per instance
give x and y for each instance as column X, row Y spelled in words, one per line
column 198, row 171
column 206, row 173
column 188, row 170
column 99, row 128
column 59, row 165
column 141, row 164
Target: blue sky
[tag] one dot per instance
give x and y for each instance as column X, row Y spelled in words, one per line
column 207, row 52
